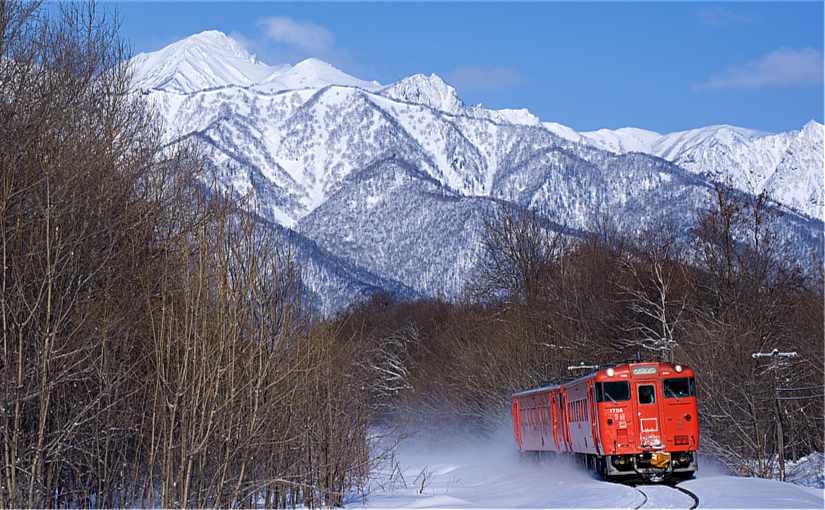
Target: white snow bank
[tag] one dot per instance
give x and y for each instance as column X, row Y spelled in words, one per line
column 738, row 492
column 476, row 471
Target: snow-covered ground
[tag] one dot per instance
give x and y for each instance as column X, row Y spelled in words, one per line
column 808, row 471
column 465, row 472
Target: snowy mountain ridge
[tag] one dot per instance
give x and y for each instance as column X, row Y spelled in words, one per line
column 431, row 91
column 206, row 60
column 391, row 183
column 211, row 59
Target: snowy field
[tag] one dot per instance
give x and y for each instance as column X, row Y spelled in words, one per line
column 458, row 472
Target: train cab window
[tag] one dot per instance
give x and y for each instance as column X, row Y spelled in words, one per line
column 618, row 391
column 647, row 394
column 679, row 387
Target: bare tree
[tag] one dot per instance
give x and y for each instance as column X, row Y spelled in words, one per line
column 652, row 298
column 519, row 251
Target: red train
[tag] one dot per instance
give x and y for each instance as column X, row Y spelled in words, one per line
column 633, row 419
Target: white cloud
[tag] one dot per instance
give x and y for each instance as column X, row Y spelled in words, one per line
column 777, row 68
column 485, row 78
column 305, row 36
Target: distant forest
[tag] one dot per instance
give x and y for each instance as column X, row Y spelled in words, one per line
column 157, row 350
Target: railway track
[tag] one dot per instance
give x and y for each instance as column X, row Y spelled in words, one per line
column 660, row 496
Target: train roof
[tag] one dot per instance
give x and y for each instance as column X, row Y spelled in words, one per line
column 524, row 393
column 628, row 365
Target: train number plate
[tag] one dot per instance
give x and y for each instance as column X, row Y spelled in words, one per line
column 644, row 370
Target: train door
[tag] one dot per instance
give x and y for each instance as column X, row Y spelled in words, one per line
column 548, row 423
column 565, row 421
column 555, row 420
column 517, row 423
column 647, row 406
column 594, row 418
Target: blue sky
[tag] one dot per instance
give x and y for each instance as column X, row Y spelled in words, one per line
column 660, row 66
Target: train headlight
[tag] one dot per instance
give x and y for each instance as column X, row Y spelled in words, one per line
column 678, row 368
column 610, row 372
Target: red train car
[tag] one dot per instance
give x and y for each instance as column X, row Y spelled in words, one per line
column 634, row 419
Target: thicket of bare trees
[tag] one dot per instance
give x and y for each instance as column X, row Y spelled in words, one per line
column 154, row 346
column 540, row 305
column 751, row 296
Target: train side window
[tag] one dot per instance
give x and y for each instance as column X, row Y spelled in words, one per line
column 618, row 391
column 647, row 394
column 679, row 387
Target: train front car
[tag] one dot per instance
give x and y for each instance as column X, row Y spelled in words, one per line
column 647, row 421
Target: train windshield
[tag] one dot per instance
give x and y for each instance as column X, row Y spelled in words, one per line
column 679, row 387
column 612, row 391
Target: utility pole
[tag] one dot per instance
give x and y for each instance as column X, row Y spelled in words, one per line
column 775, row 356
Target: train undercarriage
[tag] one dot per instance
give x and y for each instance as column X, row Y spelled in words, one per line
column 648, row 466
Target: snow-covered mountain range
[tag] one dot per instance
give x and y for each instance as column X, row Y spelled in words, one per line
column 789, row 166
column 386, row 186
